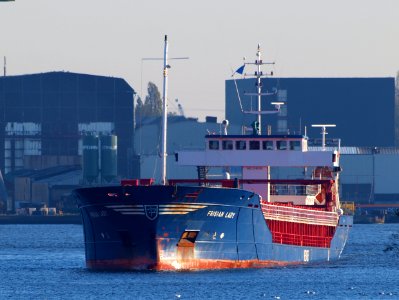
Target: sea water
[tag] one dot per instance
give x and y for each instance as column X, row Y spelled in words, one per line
column 47, row 262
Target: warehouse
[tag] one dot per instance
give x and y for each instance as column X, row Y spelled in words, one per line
column 44, row 116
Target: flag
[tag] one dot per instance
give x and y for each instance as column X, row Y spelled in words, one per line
column 240, row 70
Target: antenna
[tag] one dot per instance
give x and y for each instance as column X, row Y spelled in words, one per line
column 225, row 124
column 154, row 58
column 277, row 105
column 166, row 66
column 165, row 110
column 258, row 75
column 323, row 133
column 258, row 84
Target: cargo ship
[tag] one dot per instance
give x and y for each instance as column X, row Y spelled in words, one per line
column 247, row 222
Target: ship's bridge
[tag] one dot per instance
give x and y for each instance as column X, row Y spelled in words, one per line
column 256, row 153
column 257, row 150
column 257, row 142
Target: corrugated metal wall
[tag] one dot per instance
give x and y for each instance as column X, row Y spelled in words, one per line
column 59, row 101
column 362, row 108
column 371, row 177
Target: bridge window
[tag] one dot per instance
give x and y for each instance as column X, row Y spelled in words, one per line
column 267, row 145
column 213, row 145
column 227, row 145
column 281, row 145
column 241, row 145
column 295, row 145
column 254, row 145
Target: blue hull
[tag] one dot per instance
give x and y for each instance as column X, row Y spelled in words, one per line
column 169, row 228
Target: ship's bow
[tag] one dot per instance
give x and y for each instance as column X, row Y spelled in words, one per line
column 118, row 234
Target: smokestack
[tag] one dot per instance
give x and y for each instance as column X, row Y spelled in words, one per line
column 5, row 67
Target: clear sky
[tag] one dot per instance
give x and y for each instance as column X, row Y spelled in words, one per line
column 341, row 38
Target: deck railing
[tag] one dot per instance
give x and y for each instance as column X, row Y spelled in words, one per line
column 287, row 213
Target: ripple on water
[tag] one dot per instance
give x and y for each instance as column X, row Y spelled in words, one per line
column 47, row 262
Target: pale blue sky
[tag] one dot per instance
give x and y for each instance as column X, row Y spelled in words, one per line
column 356, row 38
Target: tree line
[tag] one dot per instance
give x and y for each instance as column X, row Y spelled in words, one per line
column 152, row 105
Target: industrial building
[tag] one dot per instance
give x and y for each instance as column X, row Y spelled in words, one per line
column 362, row 108
column 370, row 175
column 46, row 121
column 44, row 117
column 365, row 111
column 50, row 187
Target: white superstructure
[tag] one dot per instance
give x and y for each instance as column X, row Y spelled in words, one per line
column 256, row 153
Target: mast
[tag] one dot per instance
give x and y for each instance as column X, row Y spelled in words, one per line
column 164, row 111
column 259, row 86
column 164, row 124
column 259, row 74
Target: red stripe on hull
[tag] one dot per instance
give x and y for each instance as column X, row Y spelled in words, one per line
column 191, row 265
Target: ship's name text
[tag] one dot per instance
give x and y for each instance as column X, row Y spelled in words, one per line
column 221, row 214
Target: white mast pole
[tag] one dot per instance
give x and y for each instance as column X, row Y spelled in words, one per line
column 259, row 63
column 165, row 110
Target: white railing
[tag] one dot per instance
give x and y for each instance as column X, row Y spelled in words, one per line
column 299, row 215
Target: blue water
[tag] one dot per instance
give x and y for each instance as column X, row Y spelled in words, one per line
column 47, row 262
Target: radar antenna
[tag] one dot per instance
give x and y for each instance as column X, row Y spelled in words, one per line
column 258, row 74
column 323, row 133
